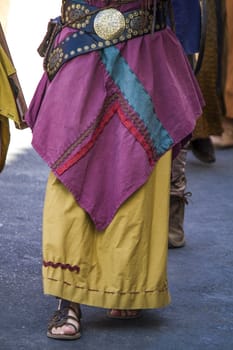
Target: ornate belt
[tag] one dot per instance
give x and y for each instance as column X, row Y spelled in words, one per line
column 97, row 29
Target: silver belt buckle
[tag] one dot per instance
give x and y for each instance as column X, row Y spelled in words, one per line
column 109, row 24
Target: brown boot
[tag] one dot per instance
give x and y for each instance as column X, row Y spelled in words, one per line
column 203, row 149
column 176, row 237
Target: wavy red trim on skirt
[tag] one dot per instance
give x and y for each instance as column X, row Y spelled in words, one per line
column 62, row 266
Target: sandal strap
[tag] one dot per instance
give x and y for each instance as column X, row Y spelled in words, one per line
column 63, row 304
column 61, row 317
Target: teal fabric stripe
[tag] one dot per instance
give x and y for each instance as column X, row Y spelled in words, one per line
column 137, row 97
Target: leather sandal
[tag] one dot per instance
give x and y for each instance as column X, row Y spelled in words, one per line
column 124, row 314
column 62, row 318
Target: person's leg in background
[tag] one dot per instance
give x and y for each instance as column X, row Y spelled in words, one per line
column 225, row 140
column 209, row 78
column 187, row 26
column 178, row 200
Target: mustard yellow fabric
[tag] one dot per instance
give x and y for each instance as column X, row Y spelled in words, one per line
column 8, row 109
column 124, row 266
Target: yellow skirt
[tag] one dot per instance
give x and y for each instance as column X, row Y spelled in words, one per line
column 124, row 266
column 8, row 109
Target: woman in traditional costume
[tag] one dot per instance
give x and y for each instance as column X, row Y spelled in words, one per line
column 117, row 100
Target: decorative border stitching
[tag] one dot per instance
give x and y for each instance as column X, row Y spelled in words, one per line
column 60, row 170
column 141, row 135
column 161, row 289
column 85, row 134
column 138, row 135
column 69, row 267
column 141, row 128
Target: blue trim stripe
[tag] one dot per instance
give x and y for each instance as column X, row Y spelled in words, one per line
column 137, row 97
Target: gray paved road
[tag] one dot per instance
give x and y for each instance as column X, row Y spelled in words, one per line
column 200, row 275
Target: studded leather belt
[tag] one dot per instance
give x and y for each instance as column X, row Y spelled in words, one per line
column 99, row 28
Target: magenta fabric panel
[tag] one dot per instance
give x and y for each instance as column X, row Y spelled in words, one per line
column 79, row 120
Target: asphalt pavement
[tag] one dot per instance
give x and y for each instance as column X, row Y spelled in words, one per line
column 200, row 316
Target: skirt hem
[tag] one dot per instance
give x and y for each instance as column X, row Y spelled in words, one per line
column 141, row 300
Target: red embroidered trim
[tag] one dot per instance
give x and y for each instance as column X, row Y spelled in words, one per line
column 85, row 134
column 141, row 129
column 140, row 135
column 130, row 126
column 60, row 170
column 62, row 266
